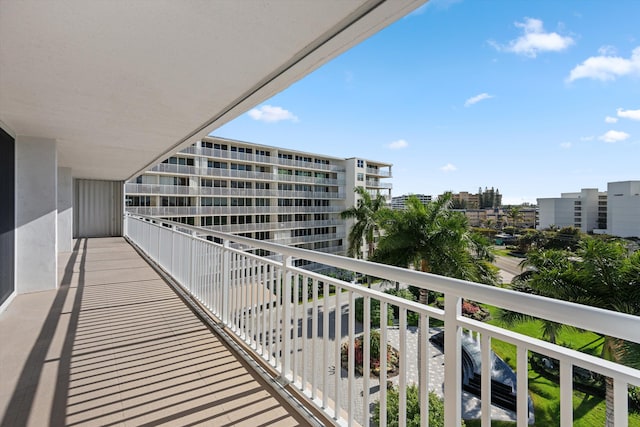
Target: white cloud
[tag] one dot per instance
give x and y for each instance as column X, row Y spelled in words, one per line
column 607, row 67
column 565, row 145
column 613, row 136
column 607, row 50
column 629, row 114
column 587, row 138
column 534, row 40
column 448, row 168
column 271, row 114
column 610, row 119
column 396, row 145
column 475, row 99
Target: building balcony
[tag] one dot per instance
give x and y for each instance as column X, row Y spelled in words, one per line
column 378, row 184
column 119, row 342
column 115, row 345
column 260, row 159
column 287, row 334
column 159, row 189
column 385, row 173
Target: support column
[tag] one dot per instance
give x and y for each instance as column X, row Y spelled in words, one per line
column 36, row 214
column 65, row 210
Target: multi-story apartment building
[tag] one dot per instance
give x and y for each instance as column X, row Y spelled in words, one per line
column 623, row 208
column 489, row 198
column 399, row 202
column 581, row 210
column 267, row 193
column 615, row 211
column 498, row 217
column 466, row 200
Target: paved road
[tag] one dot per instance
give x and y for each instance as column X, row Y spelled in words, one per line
column 509, row 264
column 509, row 267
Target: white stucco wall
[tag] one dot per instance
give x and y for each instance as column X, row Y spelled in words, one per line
column 36, row 214
column 65, row 210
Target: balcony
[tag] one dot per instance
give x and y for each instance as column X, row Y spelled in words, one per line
column 115, row 345
column 118, row 343
column 294, row 334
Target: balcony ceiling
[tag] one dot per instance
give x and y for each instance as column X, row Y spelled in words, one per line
column 122, row 84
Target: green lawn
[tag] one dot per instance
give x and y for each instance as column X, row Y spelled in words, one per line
column 501, row 250
column 588, row 410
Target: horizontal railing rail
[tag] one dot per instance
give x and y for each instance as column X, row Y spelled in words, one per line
column 303, row 324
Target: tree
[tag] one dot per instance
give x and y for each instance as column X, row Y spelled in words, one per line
column 366, row 214
column 599, row 273
column 514, row 216
column 434, row 239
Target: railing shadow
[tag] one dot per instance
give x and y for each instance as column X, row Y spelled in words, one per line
column 19, row 408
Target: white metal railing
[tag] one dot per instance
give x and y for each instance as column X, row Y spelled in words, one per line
column 287, row 316
column 378, row 184
column 257, row 158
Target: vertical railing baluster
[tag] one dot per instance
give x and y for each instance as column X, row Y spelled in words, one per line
column 452, row 361
column 304, row 319
column 337, row 337
column 485, row 381
column 620, row 402
column 522, row 392
column 314, row 339
column 226, row 279
column 366, row 358
column 566, row 392
column 325, row 346
column 351, row 392
column 423, row 368
column 384, row 337
column 286, row 321
column 402, row 375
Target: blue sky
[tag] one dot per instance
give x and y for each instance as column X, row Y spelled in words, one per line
column 531, row 97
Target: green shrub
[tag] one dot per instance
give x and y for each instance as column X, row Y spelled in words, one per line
column 375, row 312
column 436, row 408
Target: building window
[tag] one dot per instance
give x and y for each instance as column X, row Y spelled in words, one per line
column 360, row 177
column 217, row 165
column 240, row 184
column 175, row 201
column 139, row 201
column 219, row 220
column 360, row 163
column 240, row 167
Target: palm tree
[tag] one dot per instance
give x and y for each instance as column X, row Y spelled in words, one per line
column 514, row 216
column 601, row 274
column 433, row 239
column 365, row 229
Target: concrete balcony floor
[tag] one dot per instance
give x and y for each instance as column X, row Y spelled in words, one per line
column 115, row 346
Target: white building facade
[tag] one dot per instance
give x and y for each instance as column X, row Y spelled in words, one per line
column 623, row 208
column 615, row 211
column 399, row 202
column 263, row 192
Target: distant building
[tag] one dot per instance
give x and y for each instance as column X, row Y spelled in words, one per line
column 489, row 198
column 615, row 211
column 585, row 210
column 497, row 217
column 399, row 202
column 623, row 208
column 263, row 192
